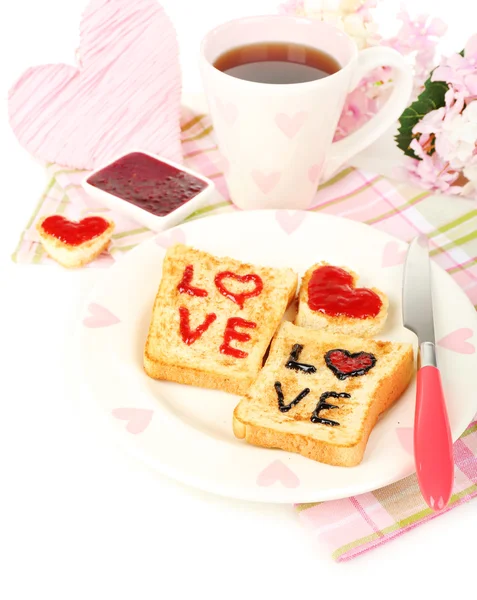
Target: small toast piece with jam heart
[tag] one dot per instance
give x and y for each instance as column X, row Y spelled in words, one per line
column 213, row 319
column 320, row 394
column 329, row 299
column 74, row 243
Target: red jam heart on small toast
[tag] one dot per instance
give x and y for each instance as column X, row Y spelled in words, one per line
column 331, row 291
column 238, row 298
column 74, row 233
column 344, row 364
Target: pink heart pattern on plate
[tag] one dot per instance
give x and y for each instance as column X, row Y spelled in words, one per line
column 176, row 236
column 125, row 93
column 277, row 471
column 289, row 221
column 291, row 125
column 99, row 317
column 457, row 341
column 138, row 418
column 393, row 255
column 266, row 182
column 406, row 438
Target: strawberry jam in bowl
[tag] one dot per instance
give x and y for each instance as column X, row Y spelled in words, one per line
column 153, row 191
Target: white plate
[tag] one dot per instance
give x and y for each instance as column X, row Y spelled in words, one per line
column 186, row 432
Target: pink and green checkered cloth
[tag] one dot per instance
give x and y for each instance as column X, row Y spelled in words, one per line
column 353, row 525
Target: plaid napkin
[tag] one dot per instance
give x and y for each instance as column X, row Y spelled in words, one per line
column 353, row 525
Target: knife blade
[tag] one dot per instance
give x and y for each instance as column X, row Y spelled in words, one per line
column 432, row 437
column 418, row 315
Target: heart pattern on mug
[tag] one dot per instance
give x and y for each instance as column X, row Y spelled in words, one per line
column 314, row 172
column 277, row 472
column 291, row 125
column 99, row 316
column 125, row 93
column 223, row 164
column 457, row 341
column 266, row 182
column 138, row 418
column 228, row 110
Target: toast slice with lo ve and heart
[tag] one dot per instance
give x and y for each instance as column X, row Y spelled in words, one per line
column 320, row 394
column 213, row 319
column 329, row 299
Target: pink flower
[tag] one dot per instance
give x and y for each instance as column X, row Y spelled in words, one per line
column 431, row 172
column 431, row 123
column 292, row 7
column 460, row 71
column 456, row 141
column 418, row 37
column 361, row 104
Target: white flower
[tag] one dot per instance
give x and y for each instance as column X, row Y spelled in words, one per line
column 456, row 142
column 363, row 33
column 343, row 15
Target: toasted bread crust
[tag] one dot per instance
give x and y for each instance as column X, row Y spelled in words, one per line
column 190, row 376
column 262, row 431
column 317, row 320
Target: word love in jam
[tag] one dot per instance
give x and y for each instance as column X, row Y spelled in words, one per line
column 342, row 364
column 231, row 333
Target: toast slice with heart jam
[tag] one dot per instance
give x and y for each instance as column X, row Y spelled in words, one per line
column 74, row 244
column 320, row 394
column 330, row 299
column 213, row 319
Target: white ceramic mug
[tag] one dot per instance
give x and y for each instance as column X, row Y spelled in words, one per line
column 277, row 139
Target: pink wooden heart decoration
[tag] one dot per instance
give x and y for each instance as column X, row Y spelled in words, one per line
column 125, row 93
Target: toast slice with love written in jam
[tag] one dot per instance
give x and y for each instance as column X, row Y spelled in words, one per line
column 320, row 394
column 329, row 299
column 213, row 319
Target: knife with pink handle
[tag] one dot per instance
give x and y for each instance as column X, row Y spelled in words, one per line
column 432, row 436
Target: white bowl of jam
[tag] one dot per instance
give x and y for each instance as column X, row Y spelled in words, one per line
column 154, row 191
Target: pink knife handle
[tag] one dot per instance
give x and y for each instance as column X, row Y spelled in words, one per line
column 432, row 440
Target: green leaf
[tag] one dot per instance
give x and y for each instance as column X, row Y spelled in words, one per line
column 431, row 98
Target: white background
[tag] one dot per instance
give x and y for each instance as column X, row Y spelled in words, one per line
column 78, row 517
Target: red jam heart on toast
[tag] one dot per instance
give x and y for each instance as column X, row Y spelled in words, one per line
column 238, row 298
column 74, row 233
column 331, row 291
column 344, row 364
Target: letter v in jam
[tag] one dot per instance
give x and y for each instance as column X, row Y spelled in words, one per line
column 189, row 336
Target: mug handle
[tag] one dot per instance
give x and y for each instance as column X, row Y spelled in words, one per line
column 368, row 60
